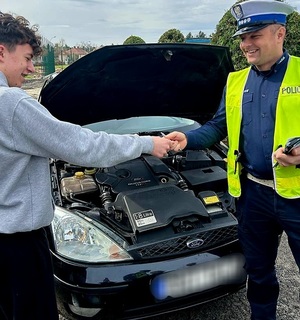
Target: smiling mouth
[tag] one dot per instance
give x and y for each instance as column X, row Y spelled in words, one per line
column 251, row 51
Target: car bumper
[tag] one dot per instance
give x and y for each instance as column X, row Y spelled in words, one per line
column 138, row 290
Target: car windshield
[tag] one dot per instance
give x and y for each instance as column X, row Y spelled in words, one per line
column 144, row 124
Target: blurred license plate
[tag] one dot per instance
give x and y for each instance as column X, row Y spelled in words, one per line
column 222, row 271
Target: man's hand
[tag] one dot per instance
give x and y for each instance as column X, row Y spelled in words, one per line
column 285, row 160
column 180, row 140
column 162, row 146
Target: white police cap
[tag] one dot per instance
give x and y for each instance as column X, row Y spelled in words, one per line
column 253, row 15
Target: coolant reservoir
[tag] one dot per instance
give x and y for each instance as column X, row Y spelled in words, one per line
column 78, row 184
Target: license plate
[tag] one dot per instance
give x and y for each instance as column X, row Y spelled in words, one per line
column 221, row 271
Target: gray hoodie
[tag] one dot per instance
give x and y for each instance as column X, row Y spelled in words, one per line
column 29, row 136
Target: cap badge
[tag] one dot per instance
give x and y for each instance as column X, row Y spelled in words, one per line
column 238, row 11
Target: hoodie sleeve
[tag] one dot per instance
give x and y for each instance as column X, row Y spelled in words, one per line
column 35, row 131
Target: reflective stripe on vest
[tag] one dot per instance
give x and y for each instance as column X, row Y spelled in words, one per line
column 234, row 94
column 287, row 125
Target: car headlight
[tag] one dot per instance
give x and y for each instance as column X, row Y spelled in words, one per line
column 78, row 239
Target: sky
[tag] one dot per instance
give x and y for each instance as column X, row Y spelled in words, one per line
column 104, row 22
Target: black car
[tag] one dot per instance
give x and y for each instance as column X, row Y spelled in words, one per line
column 150, row 235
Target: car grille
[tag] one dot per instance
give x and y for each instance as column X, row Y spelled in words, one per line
column 174, row 246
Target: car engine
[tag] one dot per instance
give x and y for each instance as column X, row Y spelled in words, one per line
column 150, row 197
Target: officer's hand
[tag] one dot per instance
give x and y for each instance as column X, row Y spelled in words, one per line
column 285, row 160
column 296, row 151
column 179, row 138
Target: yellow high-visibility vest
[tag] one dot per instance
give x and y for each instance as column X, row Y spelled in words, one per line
column 287, row 125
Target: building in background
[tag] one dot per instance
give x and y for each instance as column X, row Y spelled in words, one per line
column 71, row 55
column 198, row 40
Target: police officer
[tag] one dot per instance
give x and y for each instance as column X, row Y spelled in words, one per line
column 259, row 112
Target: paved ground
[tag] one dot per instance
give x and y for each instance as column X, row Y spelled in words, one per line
column 33, row 87
column 235, row 307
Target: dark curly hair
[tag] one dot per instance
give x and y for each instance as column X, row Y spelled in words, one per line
column 17, row 31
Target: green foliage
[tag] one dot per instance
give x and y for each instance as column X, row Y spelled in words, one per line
column 134, row 40
column 201, row 34
column 189, row 36
column 292, row 40
column 171, row 36
column 223, row 37
column 227, row 27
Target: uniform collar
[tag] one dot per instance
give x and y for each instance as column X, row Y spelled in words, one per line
column 280, row 63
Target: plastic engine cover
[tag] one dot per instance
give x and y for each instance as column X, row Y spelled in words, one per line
column 156, row 207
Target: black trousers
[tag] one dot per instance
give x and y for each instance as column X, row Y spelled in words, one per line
column 263, row 215
column 26, row 277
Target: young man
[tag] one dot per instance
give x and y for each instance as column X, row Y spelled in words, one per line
column 259, row 112
column 29, row 136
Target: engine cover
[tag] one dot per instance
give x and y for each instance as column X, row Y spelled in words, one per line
column 143, row 172
column 156, row 207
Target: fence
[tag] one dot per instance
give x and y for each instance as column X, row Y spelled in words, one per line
column 47, row 59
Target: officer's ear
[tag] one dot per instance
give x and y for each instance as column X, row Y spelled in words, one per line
column 280, row 33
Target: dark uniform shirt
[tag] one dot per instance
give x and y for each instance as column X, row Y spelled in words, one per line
column 258, row 121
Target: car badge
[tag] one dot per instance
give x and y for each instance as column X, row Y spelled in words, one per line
column 196, row 243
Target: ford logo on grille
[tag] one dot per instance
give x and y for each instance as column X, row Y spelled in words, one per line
column 192, row 244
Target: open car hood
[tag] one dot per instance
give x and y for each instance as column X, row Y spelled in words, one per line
column 122, row 81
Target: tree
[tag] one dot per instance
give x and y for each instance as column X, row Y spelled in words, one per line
column 223, row 37
column 201, row 34
column 189, row 36
column 292, row 40
column 60, row 47
column 87, row 46
column 227, row 27
column 133, row 40
column 171, row 36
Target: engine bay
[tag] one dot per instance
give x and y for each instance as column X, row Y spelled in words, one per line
column 179, row 193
